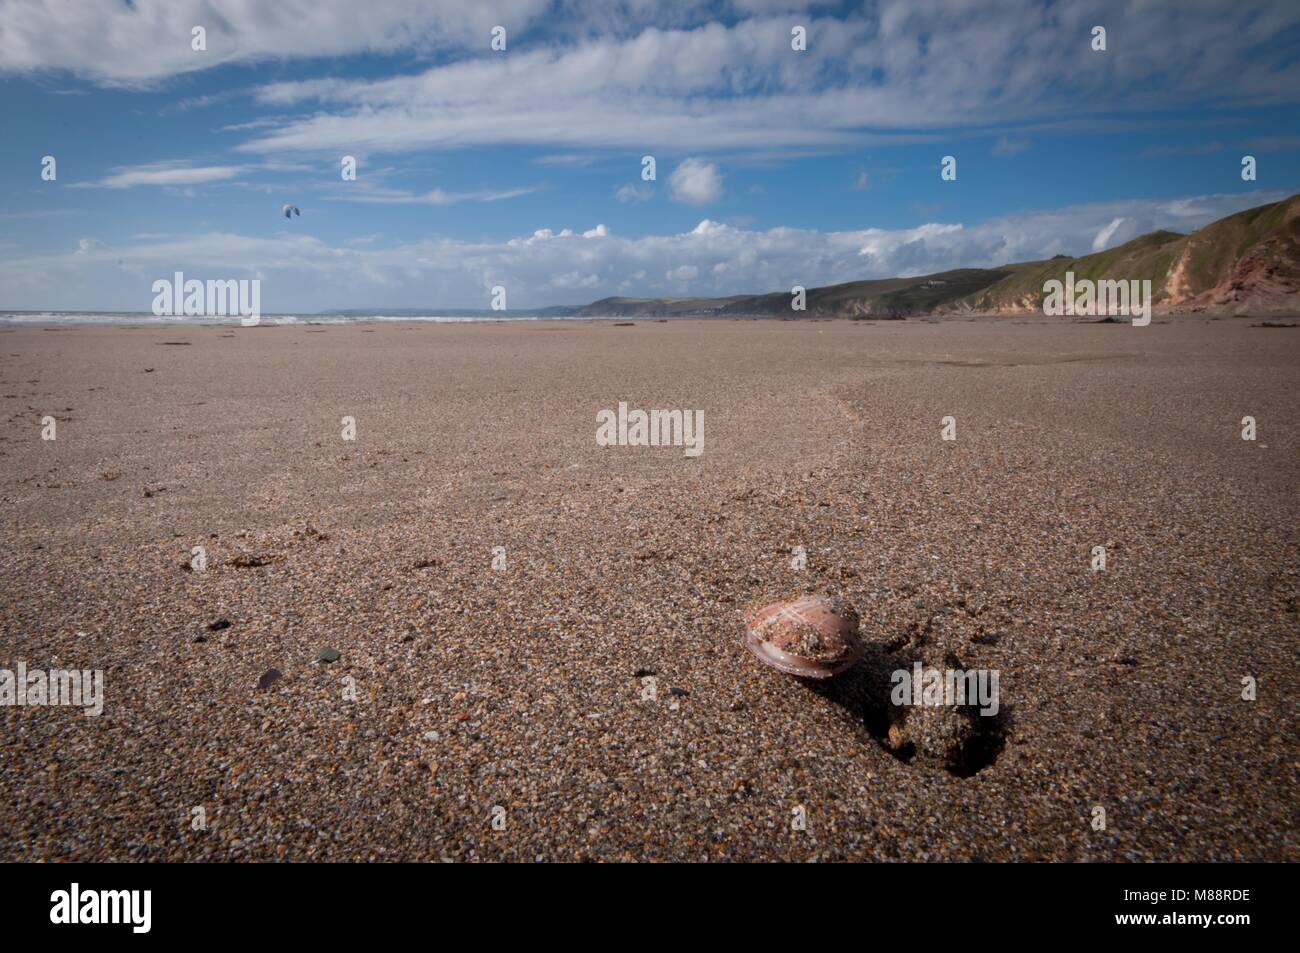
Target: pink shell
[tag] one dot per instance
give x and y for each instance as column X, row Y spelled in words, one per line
column 812, row 636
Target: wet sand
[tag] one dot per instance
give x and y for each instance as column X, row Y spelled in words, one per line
column 461, row 688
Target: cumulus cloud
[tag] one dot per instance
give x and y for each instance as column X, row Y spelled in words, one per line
column 696, row 182
column 303, row 273
column 574, row 279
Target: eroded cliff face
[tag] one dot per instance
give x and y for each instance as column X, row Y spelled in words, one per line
column 1247, row 263
column 1178, row 289
column 1263, row 279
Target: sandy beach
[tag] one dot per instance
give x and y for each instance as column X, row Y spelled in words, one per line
column 593, row 700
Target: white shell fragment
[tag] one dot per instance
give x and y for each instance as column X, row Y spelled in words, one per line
column 812, row 636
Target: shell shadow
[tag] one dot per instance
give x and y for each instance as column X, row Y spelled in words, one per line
column 864, row 693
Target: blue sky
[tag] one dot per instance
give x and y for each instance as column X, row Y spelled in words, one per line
column 522, row 167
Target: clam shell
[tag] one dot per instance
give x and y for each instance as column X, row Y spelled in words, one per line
column 812, row 636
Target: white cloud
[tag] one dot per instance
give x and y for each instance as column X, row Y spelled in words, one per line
column 163, row 174
column 631, row 193
column 440, row 197
column 866, row 79
column 696, row 182
column 574, row 280
column 303, row 273
column 1102, row 241
column 141, row 42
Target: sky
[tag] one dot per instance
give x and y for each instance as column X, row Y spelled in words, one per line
column 523, row 167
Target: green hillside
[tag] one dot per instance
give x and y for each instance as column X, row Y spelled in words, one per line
column 1150, row 256
column 1247, row 260
column 883, row 298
